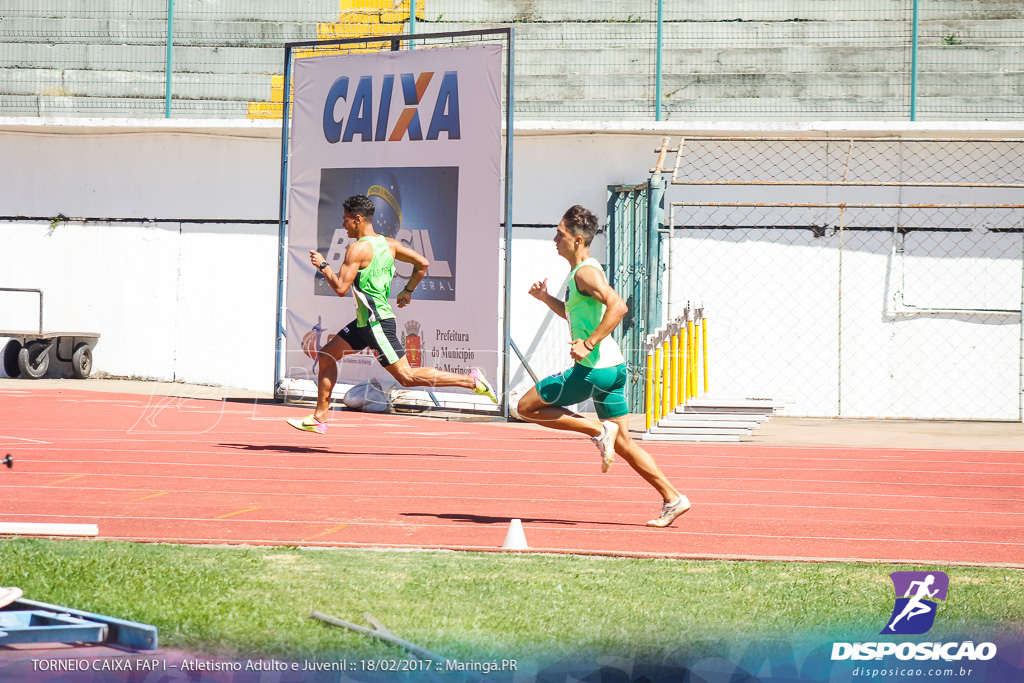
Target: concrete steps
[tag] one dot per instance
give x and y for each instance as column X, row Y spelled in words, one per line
column 508, row 11
column 153, row 31
column 62, row 105
column 95, row 58
column 147, row 58
column 113, row 84
column 228, row 10
column 833, row 32
column 794, row 59
column 742, row 78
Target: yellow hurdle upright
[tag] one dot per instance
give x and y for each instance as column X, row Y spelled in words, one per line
column 704, row 348
column 691, row 380
column 656, row 384
column 674, row 330
column 681, row 377
column 666, row 375
column 696, row 355
column 649, row 385
column 684, row 366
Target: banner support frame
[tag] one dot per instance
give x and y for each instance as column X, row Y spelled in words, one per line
column 507, row 313
column 282, row 223
column 394, row 42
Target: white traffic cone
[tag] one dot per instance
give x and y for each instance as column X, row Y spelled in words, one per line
column 515, row 539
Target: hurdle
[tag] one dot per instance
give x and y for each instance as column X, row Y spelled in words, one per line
column 677, row 379
column 677, row 359
column 677, row 405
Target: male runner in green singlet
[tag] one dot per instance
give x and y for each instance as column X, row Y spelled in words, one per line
column 593, row 309
column 367, row 270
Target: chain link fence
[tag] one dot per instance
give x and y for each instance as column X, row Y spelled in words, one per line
column 111, row 57
column 645, row 60
column 877, row 278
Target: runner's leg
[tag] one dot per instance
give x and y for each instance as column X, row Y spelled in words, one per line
column 408, row 376
column 642, row 462
column 327, row 375
column 533, row 408
column 383, row 337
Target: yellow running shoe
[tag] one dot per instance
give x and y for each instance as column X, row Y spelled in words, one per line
column 483, row 387
column 308, row 424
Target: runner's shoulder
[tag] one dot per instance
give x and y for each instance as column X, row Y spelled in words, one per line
column 589, row 275
column 360, row 252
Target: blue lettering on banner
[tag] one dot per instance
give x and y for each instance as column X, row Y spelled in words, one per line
column 385, row 108
column 447, row 100
column 339, row 91
column 360, row 122
column 344, row 120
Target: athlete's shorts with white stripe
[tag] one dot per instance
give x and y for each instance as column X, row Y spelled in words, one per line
column 381, row 336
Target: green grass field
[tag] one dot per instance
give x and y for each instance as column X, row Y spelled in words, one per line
column 239, row 602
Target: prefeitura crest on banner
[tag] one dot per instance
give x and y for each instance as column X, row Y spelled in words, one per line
column 413, row 343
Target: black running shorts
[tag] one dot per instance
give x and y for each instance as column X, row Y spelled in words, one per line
column 381, row 336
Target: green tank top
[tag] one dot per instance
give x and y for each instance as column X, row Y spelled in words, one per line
column 372, row 285
column 584, row 314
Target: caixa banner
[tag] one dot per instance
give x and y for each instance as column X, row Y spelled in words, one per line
column 419, row 133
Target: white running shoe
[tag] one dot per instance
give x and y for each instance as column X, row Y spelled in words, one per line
column 669, row 512
column 605, row 442
column 514, row 397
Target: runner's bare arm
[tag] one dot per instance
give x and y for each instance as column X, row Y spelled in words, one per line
column 419, row 269
column 357, row 256
column 590, row 281
column 539, row 291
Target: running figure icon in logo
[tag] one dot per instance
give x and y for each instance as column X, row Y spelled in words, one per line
column 914, row 609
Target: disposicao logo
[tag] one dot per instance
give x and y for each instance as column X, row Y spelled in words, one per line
column 914, row 612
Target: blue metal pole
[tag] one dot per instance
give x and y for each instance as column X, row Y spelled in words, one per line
column 655, row 217
column 913, row 64
column 658, row 66
column 282, row 220
column 169, row 76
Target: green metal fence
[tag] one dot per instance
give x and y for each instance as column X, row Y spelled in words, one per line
column 599, row 59
column 635, row 215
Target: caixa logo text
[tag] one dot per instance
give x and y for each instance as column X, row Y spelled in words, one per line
column 948, row 652
column 365, row 110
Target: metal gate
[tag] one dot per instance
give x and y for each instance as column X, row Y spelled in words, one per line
column 635, row 215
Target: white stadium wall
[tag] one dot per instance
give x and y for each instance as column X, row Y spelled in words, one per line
column 176, row 266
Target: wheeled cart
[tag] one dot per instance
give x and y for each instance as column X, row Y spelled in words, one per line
column 28, row 353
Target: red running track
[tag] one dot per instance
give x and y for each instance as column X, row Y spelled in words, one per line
column 207, row 471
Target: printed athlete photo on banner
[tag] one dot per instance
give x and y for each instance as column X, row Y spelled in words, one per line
column 416, row 206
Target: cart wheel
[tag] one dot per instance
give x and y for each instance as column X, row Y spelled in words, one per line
column 11, row 358
column 81, row 361
column 34, row 359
